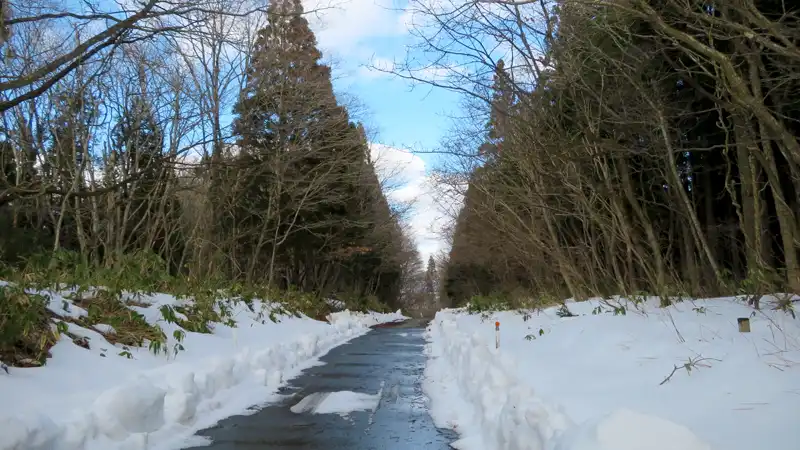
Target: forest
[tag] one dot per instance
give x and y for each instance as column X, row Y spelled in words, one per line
column 605, row 147
column 619, row 147
column 189, row 146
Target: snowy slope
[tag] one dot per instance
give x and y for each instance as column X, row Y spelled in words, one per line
column 101, row 399
column 594, row 381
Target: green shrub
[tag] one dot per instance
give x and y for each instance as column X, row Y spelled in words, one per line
column 488, row 303
column 131, row 328
column 26, row 334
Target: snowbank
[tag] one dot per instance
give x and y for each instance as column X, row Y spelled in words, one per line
column 596, row 381
column 109, row 397
column 475, row 391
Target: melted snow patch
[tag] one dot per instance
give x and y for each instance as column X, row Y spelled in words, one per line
column 342, row 403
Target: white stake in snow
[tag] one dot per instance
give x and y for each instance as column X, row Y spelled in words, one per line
column 497, row 335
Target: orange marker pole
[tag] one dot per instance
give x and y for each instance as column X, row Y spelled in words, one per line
column 497, row 335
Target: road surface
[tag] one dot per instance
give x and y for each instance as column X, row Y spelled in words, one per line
column 387, row 363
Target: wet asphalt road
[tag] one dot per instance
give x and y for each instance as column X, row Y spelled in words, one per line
column 387, row 360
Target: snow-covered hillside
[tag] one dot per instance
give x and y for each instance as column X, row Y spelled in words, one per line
column 676, row 378
column 111, row 396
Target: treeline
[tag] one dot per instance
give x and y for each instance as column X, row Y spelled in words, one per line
column 202, row 135
column 632, row 146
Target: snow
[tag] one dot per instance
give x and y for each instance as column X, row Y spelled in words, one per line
column 110, row 397
column 341, row 402
column 105, row 328
column 624, row 429
column 600, row 381
column 336, row 304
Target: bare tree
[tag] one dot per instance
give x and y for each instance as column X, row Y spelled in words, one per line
column 593, row 173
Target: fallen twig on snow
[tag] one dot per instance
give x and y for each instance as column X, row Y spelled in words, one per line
column 693, row 362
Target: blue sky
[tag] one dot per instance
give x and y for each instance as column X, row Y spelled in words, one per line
column 402, row 120
column 412, row 119
column 356, row 34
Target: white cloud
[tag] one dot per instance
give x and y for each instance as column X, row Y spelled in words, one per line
column 406, row 179
column 399, row 170
column 345, row 27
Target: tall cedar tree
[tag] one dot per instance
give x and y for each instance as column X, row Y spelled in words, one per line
column 304, row 168
column 430, row 276
column 283, row 115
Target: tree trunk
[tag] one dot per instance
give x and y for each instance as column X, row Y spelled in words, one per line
column 745, row 147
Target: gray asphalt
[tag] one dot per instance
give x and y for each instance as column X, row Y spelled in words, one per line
column 387, row 360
